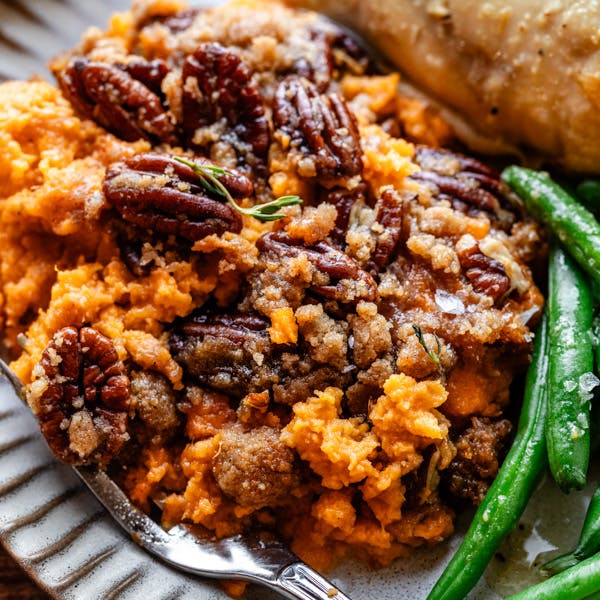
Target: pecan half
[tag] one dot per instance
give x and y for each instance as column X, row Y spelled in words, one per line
column 219, row 351
column 217, row 85
column 348, row 282
column 149, row 72
column 464, row 179
column 318, row 66
column 450, row 163
column 142, row 250
column 320, row 127
column 390, row 213
column 487, row 275
column 84, row 400
column 480, row 449
column 349, row 54
column 131, row 251
column 334, row 52
column 234, row 327
column 179, row 21
column 156, row 192
column 343, row 200
column 111, row 96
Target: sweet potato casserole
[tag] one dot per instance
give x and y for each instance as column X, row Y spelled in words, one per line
column 339, row 375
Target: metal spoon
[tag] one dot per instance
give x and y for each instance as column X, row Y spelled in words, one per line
column 246, row 557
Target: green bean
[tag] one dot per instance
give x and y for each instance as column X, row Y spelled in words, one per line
column 571, row 222
column 508, row 495
column 596, row 340
column 589, row 540
column 570, row 377
column 577, row 583
column 595, row 411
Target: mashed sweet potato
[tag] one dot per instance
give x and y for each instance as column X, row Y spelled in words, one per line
column 308, row 375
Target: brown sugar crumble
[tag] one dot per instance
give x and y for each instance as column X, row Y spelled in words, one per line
column 338, row 376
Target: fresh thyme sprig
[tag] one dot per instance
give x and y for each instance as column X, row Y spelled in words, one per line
column 434, row 356
column 208, row 176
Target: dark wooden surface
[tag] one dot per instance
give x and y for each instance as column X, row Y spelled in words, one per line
column 14, row 583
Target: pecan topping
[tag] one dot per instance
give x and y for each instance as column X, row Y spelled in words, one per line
column 480, row 449
column 84, row 403
column 487, row 275
column 131, row 251
column 446, row 161
column 318, row 68
column 179, row 21
column 390, row 211
column 234, row 327
column 349, row 54
column 220, row 351
column 320, row 127
column 464, row 179
column 347, row 281
column 149, row 72
column 218, row 85
column 111, row 96
column 142, row 251
column 335, row 52
column 154, row 191
column 343, row 200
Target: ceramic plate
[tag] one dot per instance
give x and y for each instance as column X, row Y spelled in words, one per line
column 59, row 533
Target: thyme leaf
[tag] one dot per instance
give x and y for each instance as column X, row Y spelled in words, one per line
column 208, row 177
column 434, row 356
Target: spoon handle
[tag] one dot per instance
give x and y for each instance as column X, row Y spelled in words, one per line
column 299, row 582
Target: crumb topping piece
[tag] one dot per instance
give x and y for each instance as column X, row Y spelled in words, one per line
column 255, row 467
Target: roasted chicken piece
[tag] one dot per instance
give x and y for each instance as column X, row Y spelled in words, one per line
column 524, row 73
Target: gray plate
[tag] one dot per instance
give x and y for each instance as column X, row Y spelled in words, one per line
column 63, row 538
